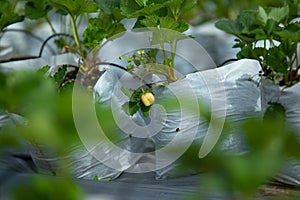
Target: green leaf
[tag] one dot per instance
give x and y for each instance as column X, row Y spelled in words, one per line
column 170, row 23
column 277, row 60
column 108, row 5
column 161, row 22
column 59, row 76
column 257, row 34
column 246, row 52
column 35, row 9
column 125, row 108
column 92, row 36
column 275, row 111
column 106, row 179
column 247, row 20
column 131, row 9
column 150, row 21
column 258, row 52
column 251, row 53
column 136, row 95
column 127, row 91
column 44, row 69
column 23, row 90
column 229, row 26
column 141, row 2
column 239, row 44
column 145, row 109
column 161, row 36
column 291, row 32
column 262, row 15
column 271, row 26
column 130, row 108
column 117, row 15
column 96, row 178
column 177, row 7
column 112, row 8
column 60, row 42
column 278, row 14
column 152, row 53
column 8, row 15
column 288, row 48
column 75, row 8
column 106, row 23
column 67, row 87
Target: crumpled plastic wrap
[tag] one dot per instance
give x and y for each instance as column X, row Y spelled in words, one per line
column 231, row 93
column 289, row 99
column 92, row 163
column 78, row 161
column 234, row 96
column 14, row 158
column 129, row 133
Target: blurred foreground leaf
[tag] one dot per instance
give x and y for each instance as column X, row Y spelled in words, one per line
column 47, row 188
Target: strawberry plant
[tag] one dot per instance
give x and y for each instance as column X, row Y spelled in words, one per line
column 269, row 35
column 7, row 14
column 159, row 17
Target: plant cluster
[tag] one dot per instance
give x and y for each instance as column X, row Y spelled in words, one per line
column 162, row 18
column 271, row 36
column 138, row 66
column 104, row 20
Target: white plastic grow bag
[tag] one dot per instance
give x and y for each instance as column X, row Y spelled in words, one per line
column 91, row 163
column 228, row 91
column 235, row 92
column 289, row 99
column 11, row 157
column 77, row 158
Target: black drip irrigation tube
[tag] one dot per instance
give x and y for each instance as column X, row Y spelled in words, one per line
column 227, row 61
column 41, row 48
column 117, row 66
column 30, row 34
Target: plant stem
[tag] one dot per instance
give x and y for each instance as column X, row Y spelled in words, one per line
column 50, row 24
column 75, row 32
column 86, row 17
column 142, row 81
column 265, row 45
column 172, row 69
column 14, row 4
column 173, row 53
column 171, row 73
column 166, row 59
column 280, row 93
column 290, row 74
column 297, row 61
column 272, row 44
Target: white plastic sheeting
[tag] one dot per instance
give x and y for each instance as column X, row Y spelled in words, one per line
column 242, row 99
column 289, row 99
column 229, row 93
column 13, row 158
column 91, row 163
column 235, row 98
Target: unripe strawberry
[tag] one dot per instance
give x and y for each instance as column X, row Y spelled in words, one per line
column 148, row 99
